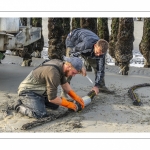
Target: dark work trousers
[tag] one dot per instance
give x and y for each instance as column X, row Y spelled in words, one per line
column 87, row 62
column 33, row 105
column 92, row 62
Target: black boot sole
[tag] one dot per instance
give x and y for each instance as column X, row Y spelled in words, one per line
column 106, row 91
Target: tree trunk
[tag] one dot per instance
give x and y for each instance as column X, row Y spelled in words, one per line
column 102, row 28
column 75, row 23
column 66, row 30
column 55, row 29
column 113, row 37
column 24, row 21
column 144, row 45
column 124, row 44
column 27, row 50
column 37, row 22
column 89, row 23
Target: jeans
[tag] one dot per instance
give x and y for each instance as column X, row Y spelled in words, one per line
column 33, row 105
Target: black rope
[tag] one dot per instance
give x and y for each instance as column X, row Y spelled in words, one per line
column 133, row 96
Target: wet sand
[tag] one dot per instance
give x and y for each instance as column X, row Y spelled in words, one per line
column 111, row 113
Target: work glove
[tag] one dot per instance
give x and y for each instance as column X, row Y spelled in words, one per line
column 68, row 104
column 77, row 98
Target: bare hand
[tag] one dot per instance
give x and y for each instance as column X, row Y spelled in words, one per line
column 83, row 71
column 96, row 89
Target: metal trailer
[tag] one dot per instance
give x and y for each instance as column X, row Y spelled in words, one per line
column 16, row 37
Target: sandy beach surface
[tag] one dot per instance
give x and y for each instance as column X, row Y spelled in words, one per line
column 113, row 113
column 105, row 117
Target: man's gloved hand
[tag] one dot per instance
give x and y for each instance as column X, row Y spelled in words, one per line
column 77, row 98
column 68, row 104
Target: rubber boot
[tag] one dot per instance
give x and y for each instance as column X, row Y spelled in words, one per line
column 26, row 62
column 15, row 104
column 25, row 111
column 2, row 56
column 104, row 89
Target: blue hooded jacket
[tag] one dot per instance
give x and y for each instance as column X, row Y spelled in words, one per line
column 82, row 43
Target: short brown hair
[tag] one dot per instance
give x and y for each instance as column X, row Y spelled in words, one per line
column 103, row 44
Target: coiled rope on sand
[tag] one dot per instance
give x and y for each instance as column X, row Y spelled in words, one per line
column 133, row 96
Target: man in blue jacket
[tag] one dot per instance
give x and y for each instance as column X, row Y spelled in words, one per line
column 85, row 43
